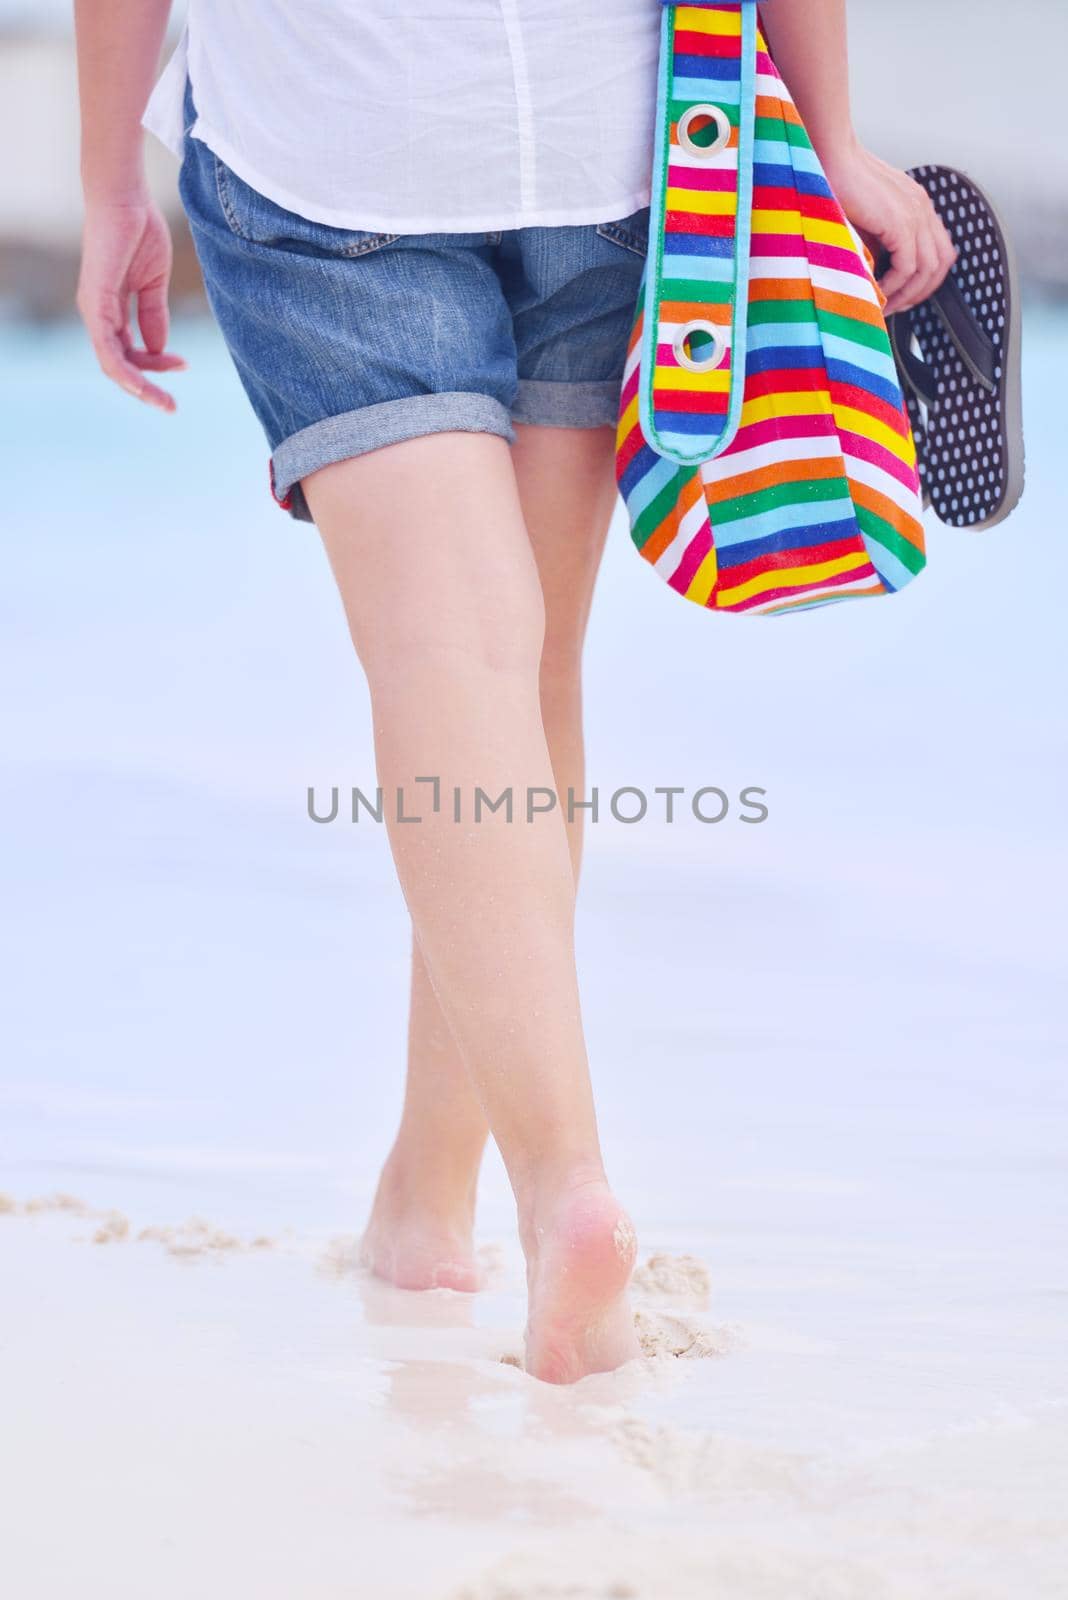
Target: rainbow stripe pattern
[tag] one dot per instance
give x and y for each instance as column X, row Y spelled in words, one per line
column 764, row 450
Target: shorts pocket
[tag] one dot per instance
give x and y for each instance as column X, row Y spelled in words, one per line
column 632, row 232
column 254, row 218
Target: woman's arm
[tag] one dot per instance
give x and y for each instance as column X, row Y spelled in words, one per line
column 126, row 245
column 808, row 41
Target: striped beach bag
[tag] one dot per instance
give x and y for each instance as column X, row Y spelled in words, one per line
column 764, row 451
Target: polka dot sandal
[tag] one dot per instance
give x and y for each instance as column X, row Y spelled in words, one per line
column 958, row 355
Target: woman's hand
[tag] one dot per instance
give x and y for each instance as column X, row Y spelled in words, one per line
column 893, row 214
column 126, row 253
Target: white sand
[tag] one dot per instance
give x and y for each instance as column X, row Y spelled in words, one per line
column 270, row 1428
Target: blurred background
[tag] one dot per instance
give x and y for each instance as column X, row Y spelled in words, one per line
column 972, row 83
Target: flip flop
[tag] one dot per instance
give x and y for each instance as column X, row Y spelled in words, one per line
column 958, row 356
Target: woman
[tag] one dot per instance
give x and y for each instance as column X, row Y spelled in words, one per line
column 422, row 236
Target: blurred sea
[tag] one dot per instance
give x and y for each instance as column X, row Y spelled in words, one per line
column 178, row 929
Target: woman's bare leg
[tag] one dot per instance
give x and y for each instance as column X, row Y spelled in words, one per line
column 421, row 1230
column 567, row 490
column 420, row 1233
column 434, row 563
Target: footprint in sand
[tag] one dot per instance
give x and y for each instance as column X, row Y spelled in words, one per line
column 661, row 1333
column 680, row 1281
column 57, row 1202
column 665, row 1277
column 708, row 1464
column 112, row 1230
column 186, row 1241
column 340, row 1256
column 672, row 1279
column 199, row 1238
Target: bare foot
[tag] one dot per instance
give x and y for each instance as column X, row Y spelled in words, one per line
column 415, row 1255
column 419, row 1240
column 579, row 1262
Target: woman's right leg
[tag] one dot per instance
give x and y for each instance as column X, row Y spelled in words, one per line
column 420, row 1234
column 435, row 568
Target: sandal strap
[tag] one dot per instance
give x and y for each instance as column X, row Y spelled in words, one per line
column 973, row 343
column 911, row 368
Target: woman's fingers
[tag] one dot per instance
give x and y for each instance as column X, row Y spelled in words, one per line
column 148, row 361
column 121, row 361
column 892, row 209
column 153, row 318
column 901, row 242
column 923, row 280
column 126, row 254
column 930, row 255
column 117, row 363
column 947, row 250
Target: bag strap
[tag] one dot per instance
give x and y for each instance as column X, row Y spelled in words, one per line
column 696, row 292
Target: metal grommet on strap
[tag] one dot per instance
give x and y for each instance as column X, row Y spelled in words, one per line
column 704, row 356
column 685, row 131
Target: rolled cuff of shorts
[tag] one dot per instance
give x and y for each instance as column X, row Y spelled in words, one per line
column 566, row 405
column 354, row 433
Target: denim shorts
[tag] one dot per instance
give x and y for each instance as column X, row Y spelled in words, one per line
column 346, row 341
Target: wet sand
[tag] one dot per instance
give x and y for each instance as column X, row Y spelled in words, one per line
column 255, row 1416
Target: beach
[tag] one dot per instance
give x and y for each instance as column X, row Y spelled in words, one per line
column 828, row 1051
column 263, row 1421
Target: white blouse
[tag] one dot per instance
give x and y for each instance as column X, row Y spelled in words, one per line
column 430, row 115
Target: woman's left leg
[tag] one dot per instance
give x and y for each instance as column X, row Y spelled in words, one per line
column 567, row 487
column 420, row 1234
column 421, row 1230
